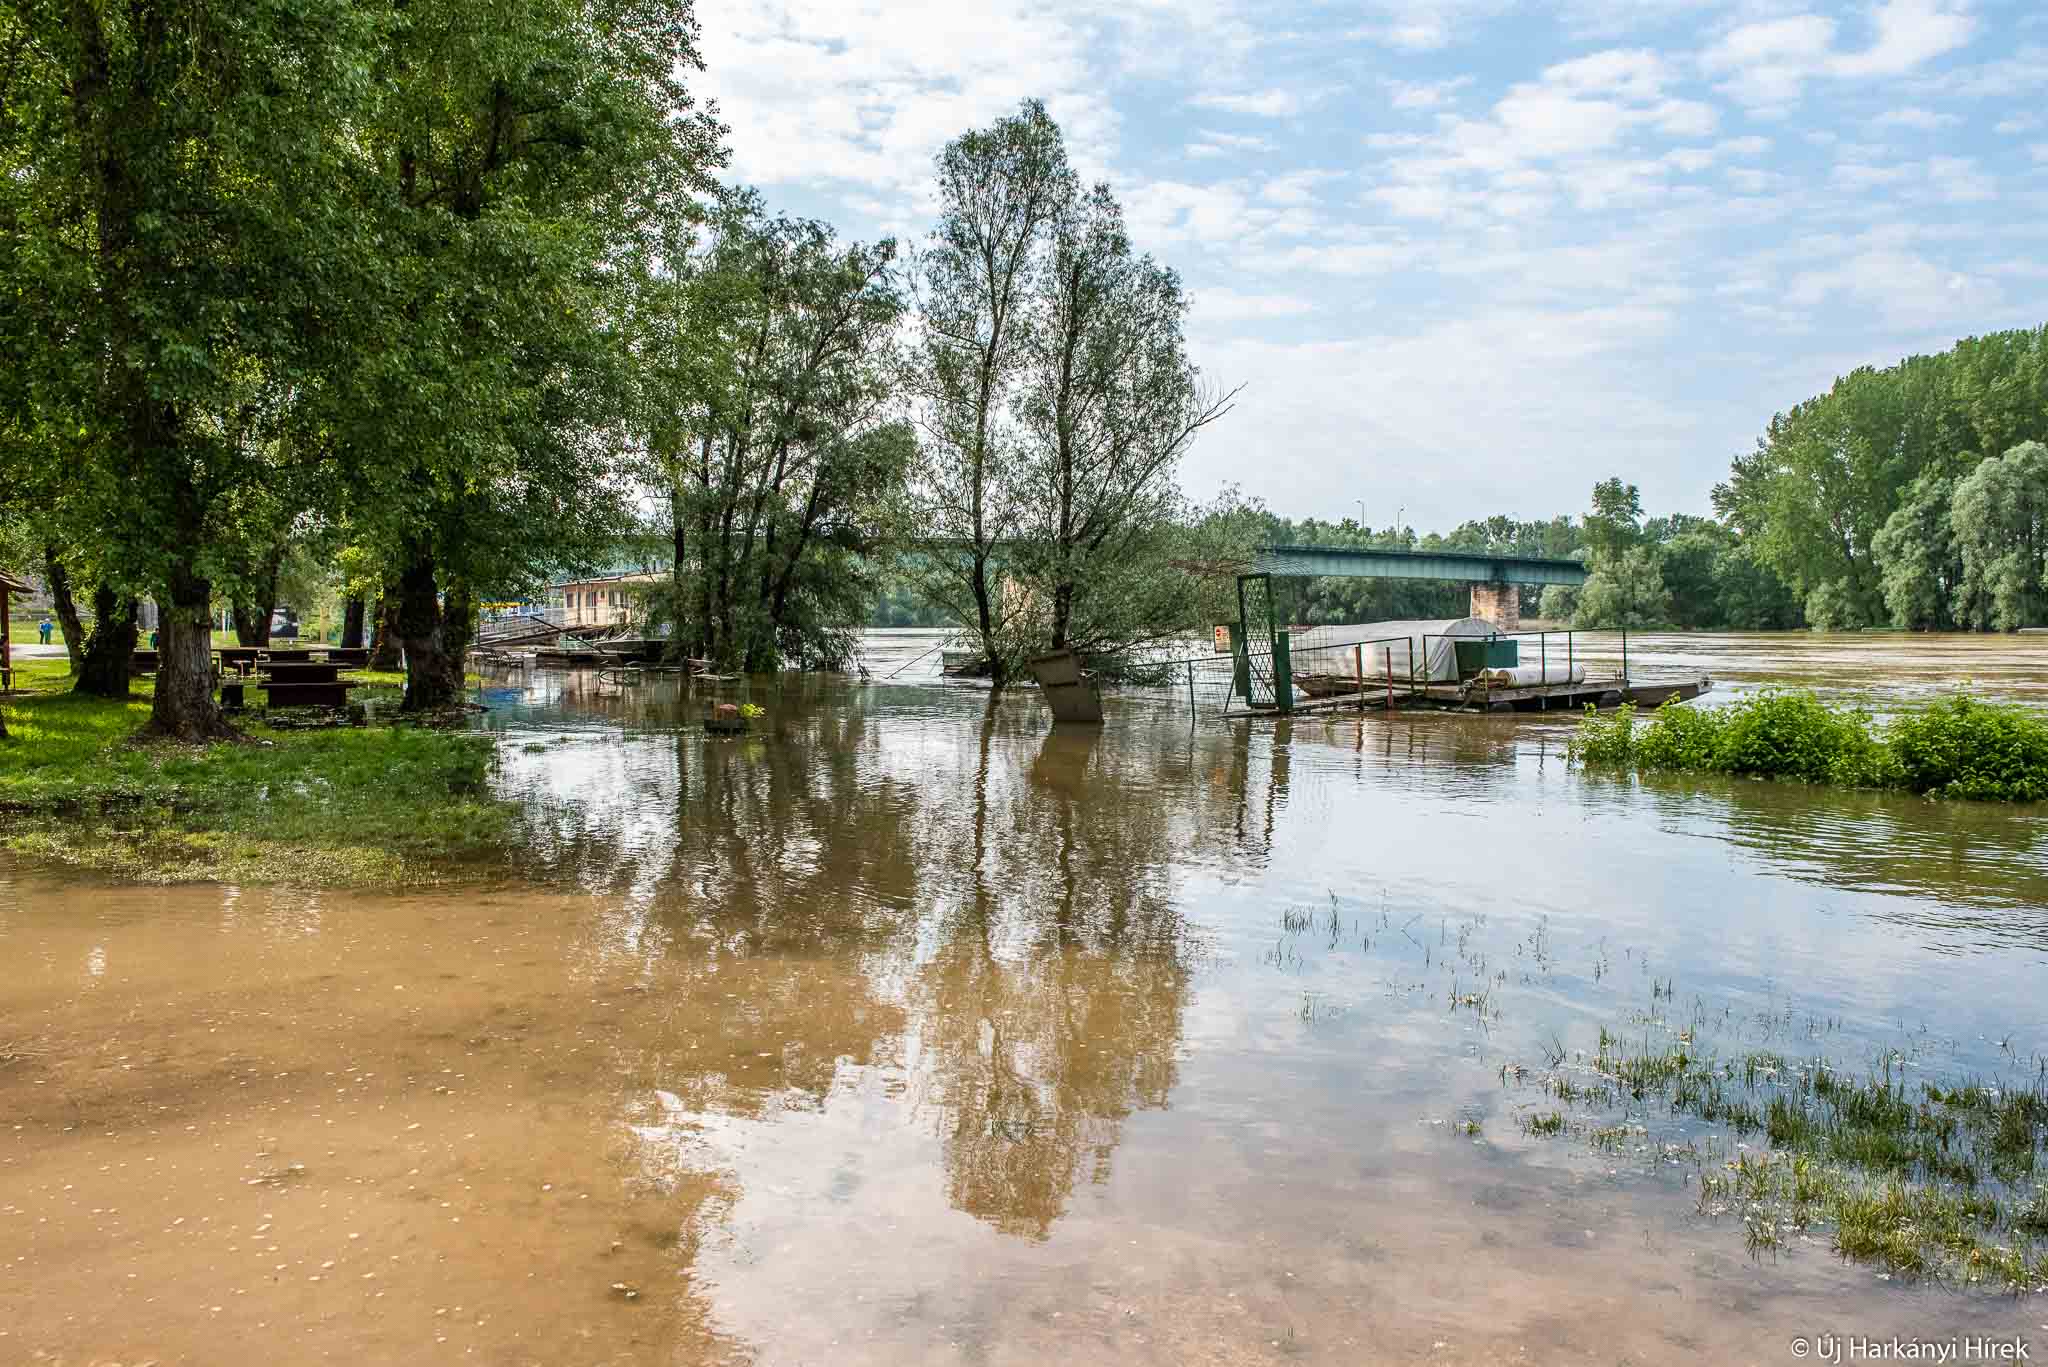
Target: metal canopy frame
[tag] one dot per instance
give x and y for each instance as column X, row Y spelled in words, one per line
column 1344, row 562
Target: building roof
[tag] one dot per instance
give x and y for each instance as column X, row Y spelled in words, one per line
column 630, row 577
column 9, row 584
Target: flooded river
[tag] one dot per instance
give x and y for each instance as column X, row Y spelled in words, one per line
column 910, row 1031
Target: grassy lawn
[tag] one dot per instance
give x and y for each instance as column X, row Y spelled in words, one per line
column 347, row 806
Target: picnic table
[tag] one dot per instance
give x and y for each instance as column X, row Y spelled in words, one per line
column 239, row 659
column 144, row 662
column 305, row 683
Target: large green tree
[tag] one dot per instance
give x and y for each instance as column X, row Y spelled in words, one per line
column 175, row 234
column 768, row 361
column 1108, row 403
column 1000, row 189
column 531, row 167
column 2000, row 517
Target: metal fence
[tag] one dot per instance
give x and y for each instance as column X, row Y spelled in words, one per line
column 1265, row 677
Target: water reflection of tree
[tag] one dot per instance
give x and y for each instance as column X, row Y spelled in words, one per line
column 768, row 885
column 1051, row 1007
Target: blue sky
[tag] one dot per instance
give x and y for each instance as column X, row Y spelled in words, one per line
column 1468, row 256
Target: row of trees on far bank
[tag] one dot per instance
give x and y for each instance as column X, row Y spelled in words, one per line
column 1915, row 495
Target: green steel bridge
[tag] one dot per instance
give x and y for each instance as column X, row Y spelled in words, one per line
column 1341, row 562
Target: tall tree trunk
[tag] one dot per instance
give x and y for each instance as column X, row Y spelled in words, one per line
column 109, row 650
column 352, row 623
column 433, row 673
column 67, row 608
column 252, row 623
column 252, row 618
column 998, row 670
column 183, row 707
column 385, row 646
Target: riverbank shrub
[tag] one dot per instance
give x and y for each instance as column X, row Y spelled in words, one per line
column 1965, row 748
column 1958, row 748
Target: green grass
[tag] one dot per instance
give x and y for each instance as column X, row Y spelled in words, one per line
column 1956, row 748
column 346, row 806
column 1923, row 1179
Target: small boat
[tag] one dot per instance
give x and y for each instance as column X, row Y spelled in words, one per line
column 964, row 664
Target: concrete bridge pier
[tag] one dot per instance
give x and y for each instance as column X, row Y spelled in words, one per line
column 1499, row 603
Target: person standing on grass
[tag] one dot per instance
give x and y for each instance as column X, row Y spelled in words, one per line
column 44, row 627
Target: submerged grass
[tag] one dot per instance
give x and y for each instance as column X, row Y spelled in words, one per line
column 1958, row 748
column 342, row 805
column 1922, row 1179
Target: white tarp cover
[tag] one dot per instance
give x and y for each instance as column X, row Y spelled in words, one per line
column 1436, row 659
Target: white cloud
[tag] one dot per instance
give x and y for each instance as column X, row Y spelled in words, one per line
column 1853, row 175
column 1405, row 408
column 1571, row 136
column 1296, row 187
column 1422, row 33
column 866, row 91
column 1909, row 33
column 1268, row 104
column 1233, row 218
column 2023, row 123
column 1214, row 144
column 1899, row 284
column 1425, row 94
column 2020, row 76
column 1227, row 306
column 1915, row 117
column 1767, row 63
column 1959, row 180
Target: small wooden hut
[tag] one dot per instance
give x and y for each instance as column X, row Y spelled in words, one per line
column 8, row 586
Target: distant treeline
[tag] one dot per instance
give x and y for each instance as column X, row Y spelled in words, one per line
column 1916, row 495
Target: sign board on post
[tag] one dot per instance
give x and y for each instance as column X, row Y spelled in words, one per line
column 1223, row 640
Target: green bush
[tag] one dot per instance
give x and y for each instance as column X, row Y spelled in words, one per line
column 1965, row 748
column 1789, row 735
column 1958, row 748
column 1681, row 738
column 1606, row 738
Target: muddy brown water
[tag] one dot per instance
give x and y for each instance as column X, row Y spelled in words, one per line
column 911, row 1031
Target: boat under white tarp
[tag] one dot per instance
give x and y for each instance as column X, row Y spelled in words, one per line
column 1394, row 644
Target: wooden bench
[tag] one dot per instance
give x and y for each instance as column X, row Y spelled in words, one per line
column 354, row 657
column 144, row 662
column 237, row 659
